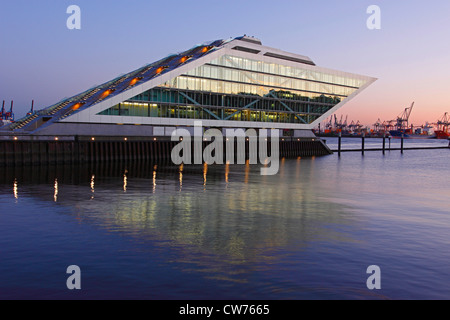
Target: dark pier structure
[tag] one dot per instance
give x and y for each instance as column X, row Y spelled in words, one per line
column 86, row 150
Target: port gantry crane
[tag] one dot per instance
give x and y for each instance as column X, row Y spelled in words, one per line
column 355, row 126
column 31, row 112
column 3, row 113
column 329, row 125
column 388, row 125
column 340, row 125
column 7, row 115
column 443, row 124
column 377, row 125
column 402, row 121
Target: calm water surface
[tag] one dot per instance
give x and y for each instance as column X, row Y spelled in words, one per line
column 226, row 232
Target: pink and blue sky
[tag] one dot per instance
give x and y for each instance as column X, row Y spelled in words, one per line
column 43, row 60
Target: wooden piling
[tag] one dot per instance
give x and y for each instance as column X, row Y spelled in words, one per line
column 363, row 143
column 401, row 148
column 339, row 144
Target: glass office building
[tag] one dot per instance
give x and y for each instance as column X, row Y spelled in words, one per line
column 226, row 83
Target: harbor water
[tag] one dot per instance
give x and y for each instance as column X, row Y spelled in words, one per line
column 141, row 231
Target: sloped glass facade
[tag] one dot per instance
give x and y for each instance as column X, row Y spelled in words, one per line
column 241, row 89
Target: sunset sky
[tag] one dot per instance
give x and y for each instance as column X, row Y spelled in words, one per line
column 43, row 60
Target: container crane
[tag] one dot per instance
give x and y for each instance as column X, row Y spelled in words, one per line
column 329, row 125
column 3, row 114
column 377, row 125
column 340, row 125
column 442, row 131
column 403, row 119
column 9, row 116
column 31, row 112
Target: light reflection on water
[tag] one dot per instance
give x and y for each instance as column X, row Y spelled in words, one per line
column 197, row 232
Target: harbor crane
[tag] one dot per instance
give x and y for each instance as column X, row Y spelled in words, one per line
column 31, row 112
column 403, row 118
column 443, row 123
column 329, row 124
column 388, row 125
column 340, row 125
column 377, row 125
column 3, row 114
column 355, row 126
column 7, row 115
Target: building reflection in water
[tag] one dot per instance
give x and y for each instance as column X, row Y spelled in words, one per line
column 205, row 173
column 125, row 181
column 92, row 186
column 181, row 177
column 16, row 189
column 226, row 229
column 247, row 171
column 55, row 194
column 227, row 172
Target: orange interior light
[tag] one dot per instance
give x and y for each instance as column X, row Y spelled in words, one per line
column 133, row 82
column 106, row 93
column 185, row 58
column 206, row 49
column 161, row 69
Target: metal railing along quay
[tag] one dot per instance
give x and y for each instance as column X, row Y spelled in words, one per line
column 384, row 146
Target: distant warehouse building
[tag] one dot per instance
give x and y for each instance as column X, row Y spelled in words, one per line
column 235, row 83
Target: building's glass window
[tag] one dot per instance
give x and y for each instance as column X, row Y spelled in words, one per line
column 239, row 89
